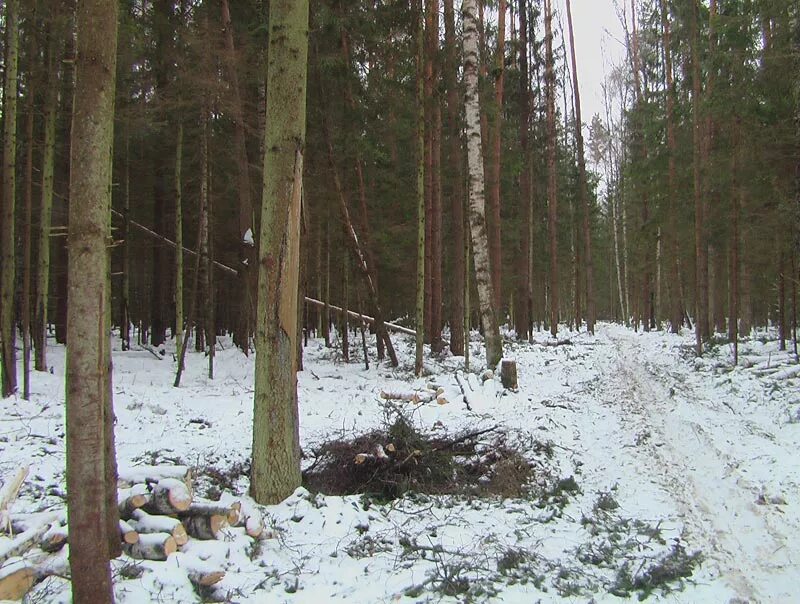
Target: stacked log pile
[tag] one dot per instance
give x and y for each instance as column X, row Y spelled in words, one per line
column 159, row 514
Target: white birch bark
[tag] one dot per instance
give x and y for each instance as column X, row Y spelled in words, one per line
column 477, row 203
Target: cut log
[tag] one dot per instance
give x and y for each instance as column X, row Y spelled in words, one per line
column 7, row 495
column 144, row 474
column 419, row 396
column 22, row 542
column 24, row 522
column 508, row 374
column 54, row 538
column 127, row 533
column 169, row 496
column 205, row 579
column 231, row 513
column 16, row 580
column 132, row 499
column 204, row 526
column 152, row 546
column 201, row 573
column 145, row 523
column 254, row 525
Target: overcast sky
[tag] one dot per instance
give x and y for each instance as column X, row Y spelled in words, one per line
column 599, row 40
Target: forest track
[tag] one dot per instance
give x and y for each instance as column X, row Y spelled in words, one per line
column 749, row 546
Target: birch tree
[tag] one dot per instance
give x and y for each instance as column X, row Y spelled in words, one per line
column 276, row 443
column 477, row 209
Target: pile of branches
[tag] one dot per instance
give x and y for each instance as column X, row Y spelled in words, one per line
column 387, row 464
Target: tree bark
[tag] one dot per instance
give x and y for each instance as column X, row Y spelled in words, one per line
column 495, row 243
column 584, row 188
column 675, row 312
column 276, row 444
column 25, row 302
column 552, row 182
column 247, row 251
column 701, row 263
column 523, row 312
column 179, row 319
column 90, row 453
column 421, row 192
column 477, row 212
column 455, row 167
column 46, row 199
column 8, row 332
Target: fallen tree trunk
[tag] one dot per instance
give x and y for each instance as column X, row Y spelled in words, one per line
column 362, row 317
column 231, row 271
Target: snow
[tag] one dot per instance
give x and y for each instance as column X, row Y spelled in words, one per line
column 670, row 454
column 247, row 238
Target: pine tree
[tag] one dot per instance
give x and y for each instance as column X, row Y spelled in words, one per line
column 276, row 449
column 91, row 469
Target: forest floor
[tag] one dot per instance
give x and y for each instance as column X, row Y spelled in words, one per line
column 653, row 475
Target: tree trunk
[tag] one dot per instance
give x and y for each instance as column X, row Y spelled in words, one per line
column 495, row 244
column 523, row 311
column 552, row 183
column 46, row 200
column 25, row 302
column 88, row 412
column 159, row 285
column 8, row 332
column 733, row 269
column 701, row 263
column 179, row 319
column 276, row 444
column 421, row 191
column 494, row 346
column 584, row 190
column 247, row 251
column 455, row 167
column 675, row 312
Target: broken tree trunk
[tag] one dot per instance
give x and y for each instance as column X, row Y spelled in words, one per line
column 354, row 244
column 508, row 374
column 8, row 493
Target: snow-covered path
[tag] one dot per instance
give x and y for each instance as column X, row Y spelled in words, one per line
column 698, row 444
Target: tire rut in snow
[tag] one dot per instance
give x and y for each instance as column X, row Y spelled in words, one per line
column 721, row 517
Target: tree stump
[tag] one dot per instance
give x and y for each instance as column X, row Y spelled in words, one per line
column 508, row 374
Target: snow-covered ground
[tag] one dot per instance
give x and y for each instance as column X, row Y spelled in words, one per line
column 669, row 457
